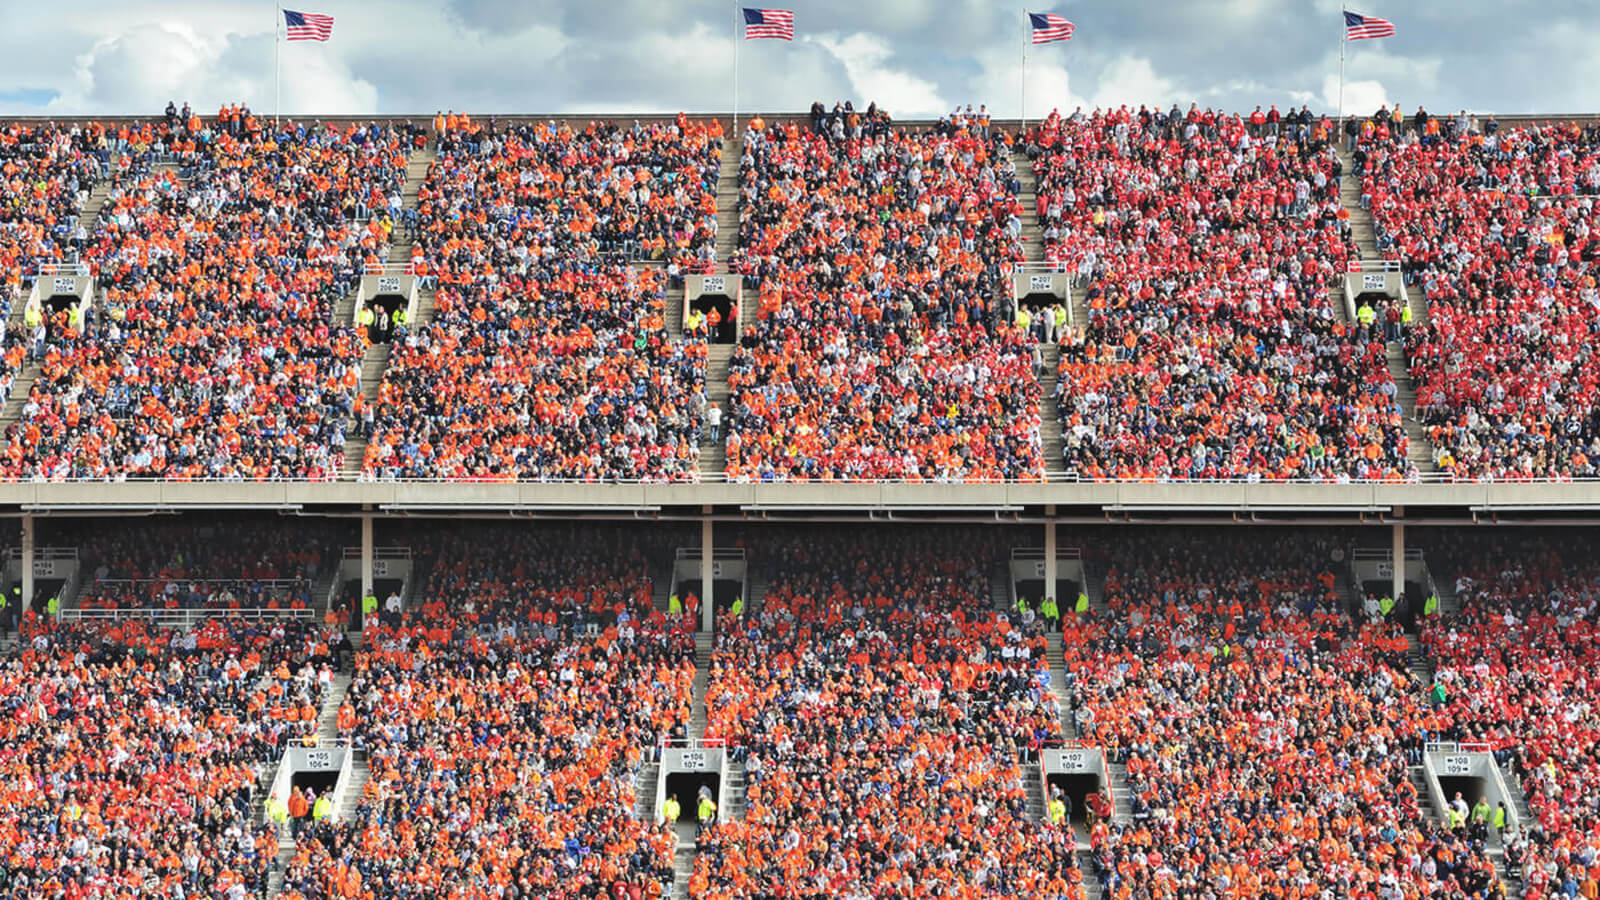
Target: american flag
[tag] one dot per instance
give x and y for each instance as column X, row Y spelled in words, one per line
column 307, row 26
column 768, row 23
column 1359, row 28
column 1049, row 27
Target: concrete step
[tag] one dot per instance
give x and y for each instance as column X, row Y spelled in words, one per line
column 1027, row 198
column 426, row 299
column 702, row 677
column 718, row 356
column 1049, row 411
column 1121, row 793
column 90, row 215
column 21, row 387
column 1421, row 449
column 728, row 202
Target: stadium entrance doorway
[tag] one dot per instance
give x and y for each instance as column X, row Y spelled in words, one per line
column 323, row 781
column 722, row 310
column 383, row 307
column 58, row 310
column 686, row 787
column 1043, row 317
column 1077, row 788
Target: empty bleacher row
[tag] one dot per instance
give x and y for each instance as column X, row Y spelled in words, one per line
column 1245, row 726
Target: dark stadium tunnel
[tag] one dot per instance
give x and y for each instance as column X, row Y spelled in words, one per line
column 1032, row 590
column 1077, row 787
column 685, row 786
column 727, row 331
column 1415, row 595
column 383, row 307
column 321, row 780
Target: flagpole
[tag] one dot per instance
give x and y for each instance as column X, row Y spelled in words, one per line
column 1024, row 111
column 277, row 65
column 736, row 16
column 1344, row 40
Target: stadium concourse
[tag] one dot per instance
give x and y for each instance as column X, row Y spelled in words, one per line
column 214, row 705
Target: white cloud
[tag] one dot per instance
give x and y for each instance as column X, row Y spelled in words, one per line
column 864, row 57
column 139, row 69
column 1132, row 80
column 1360, row 97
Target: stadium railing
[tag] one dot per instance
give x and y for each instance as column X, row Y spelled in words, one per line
column 182, row 618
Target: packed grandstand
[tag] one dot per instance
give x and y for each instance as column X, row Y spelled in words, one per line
column 509, row 705
column 1207, row 333
column 327, row 701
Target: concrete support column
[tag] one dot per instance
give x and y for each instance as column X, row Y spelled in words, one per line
column 366, row 556
column 1050, row 553
column 27, row 565
column 1399, row 573
column 708, row 608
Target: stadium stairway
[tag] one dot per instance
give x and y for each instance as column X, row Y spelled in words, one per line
column 373, row 365
column 702, row 676
column 376, row 360
column 1032, row 224
column 1364, row 233
column 644, row 789
column 738, row 799
column 22, row 382
column 1058, row 686
column 1419, row 661
column 1033, row 783
column 1091, row 878
column 728, row 202
column 1341, row 312
column 1055, row 463
column 95, row 203
column 712, row 453
column 1121, row 794
column 1000, row 586
column 683, row 870
column 1512, row 882
column 1419, row 780
column 673, row 318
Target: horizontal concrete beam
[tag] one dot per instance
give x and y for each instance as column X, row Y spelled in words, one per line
column 1132, row 498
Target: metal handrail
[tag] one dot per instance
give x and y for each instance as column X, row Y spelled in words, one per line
column 693, row 553
column 1382, row 554
column 721, row 478
column 389, row 268
column 13, row 554
column 1055, row 268
column 180, row 618
column 379, row 553
column 267, row 582
column 1020, row 554
column 693, row 743
column 74, row 268
column 1373, row 265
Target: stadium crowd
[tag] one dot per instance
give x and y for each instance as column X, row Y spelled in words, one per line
column 1266, row 735
column 504, row 717
column 877, row 350
column 1497, row 229
column 214, row 353
column 1206, row 247
column 133, row 759
column 548, row 356
column 883, row 709
column 226, row 563
column 1515, row 668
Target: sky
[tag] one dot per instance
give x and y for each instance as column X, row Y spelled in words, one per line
column 917, row 58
